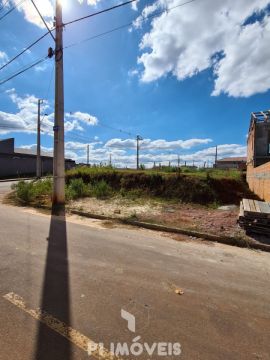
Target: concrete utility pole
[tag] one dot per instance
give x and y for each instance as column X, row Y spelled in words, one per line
column 138, row 139
column 110, row 161
column 178, row 160
column 87, row 155
column 216, row 155
column 59, row 145
column 38, row 169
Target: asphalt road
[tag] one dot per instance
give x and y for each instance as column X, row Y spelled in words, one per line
column 84, row 272
column 5, row 187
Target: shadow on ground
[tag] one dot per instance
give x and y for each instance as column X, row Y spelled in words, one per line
column 264, row 239
column 55, row 298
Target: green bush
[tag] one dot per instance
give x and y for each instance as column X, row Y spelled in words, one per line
column 77, row 189
column 34, row 191
column 42, row 188
column 24, row 192
column 101, row 190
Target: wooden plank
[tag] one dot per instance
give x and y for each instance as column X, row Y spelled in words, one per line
column 264, row 207
column 246, row 205
column 257, row 206
column 241, row 211
column 252, row 206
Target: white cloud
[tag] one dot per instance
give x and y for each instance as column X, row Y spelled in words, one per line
column 100, row 153
column 25, row 119
column 156, row 144
column 32, row 149
column 133, row 72
column 205, row 34
column 3, row 57
column 84, row 117
column 90, row 2
column 30, row 14
column 134, row 5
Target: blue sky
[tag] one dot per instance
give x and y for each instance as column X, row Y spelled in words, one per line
column 185, row 80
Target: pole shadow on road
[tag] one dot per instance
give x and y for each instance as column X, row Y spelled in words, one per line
column 55, row 294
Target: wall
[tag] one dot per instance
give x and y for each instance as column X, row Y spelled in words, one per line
column 19, row 165
column 258, row 179
column 231, row 165
column 7, row 146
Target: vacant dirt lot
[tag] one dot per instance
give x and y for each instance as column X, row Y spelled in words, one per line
column 187, row 216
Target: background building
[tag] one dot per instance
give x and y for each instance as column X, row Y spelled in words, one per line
column 258, row 154
column 19, row 162
column 239, row 163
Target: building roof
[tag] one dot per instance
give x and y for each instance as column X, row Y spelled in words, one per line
column 233, row 159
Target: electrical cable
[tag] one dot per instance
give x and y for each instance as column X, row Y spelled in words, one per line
column 24, row 50
column 128, row 24
column 99, row 12
column 23, row 70
column 43, row 20
column 4, row 3
column 10, row 10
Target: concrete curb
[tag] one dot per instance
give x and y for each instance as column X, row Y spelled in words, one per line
column 27, row 178
column 17, row 179
column 228, row 240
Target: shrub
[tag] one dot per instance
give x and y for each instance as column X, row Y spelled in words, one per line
column 42, row 188
column 101, row 190
column 34, row 191
column 76, row 189
column 24, row 192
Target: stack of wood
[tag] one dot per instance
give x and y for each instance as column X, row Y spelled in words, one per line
column 254, row 216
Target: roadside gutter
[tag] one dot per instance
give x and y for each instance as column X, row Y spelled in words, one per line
column 228, row 240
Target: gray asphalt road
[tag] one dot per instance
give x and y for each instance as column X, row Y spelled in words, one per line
column 5, row 187
column 84, row 272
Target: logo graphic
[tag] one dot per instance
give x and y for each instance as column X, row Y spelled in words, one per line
column 130, row 319
column 137, row 347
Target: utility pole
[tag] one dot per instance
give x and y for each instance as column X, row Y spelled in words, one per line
column 138, row 139
column 87, row 155
column 38, row 169
column 110, row 162
column 178, row 161
column 216, row 155
column 59, row 145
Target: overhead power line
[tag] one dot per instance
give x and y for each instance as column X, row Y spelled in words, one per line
column 100, row 12
column 24, row 50
column 44, row 22
column 115, row 129
column 156, row 14
column 10, row 10
column 23, row 70
column 4, row 3
column 50, row 30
